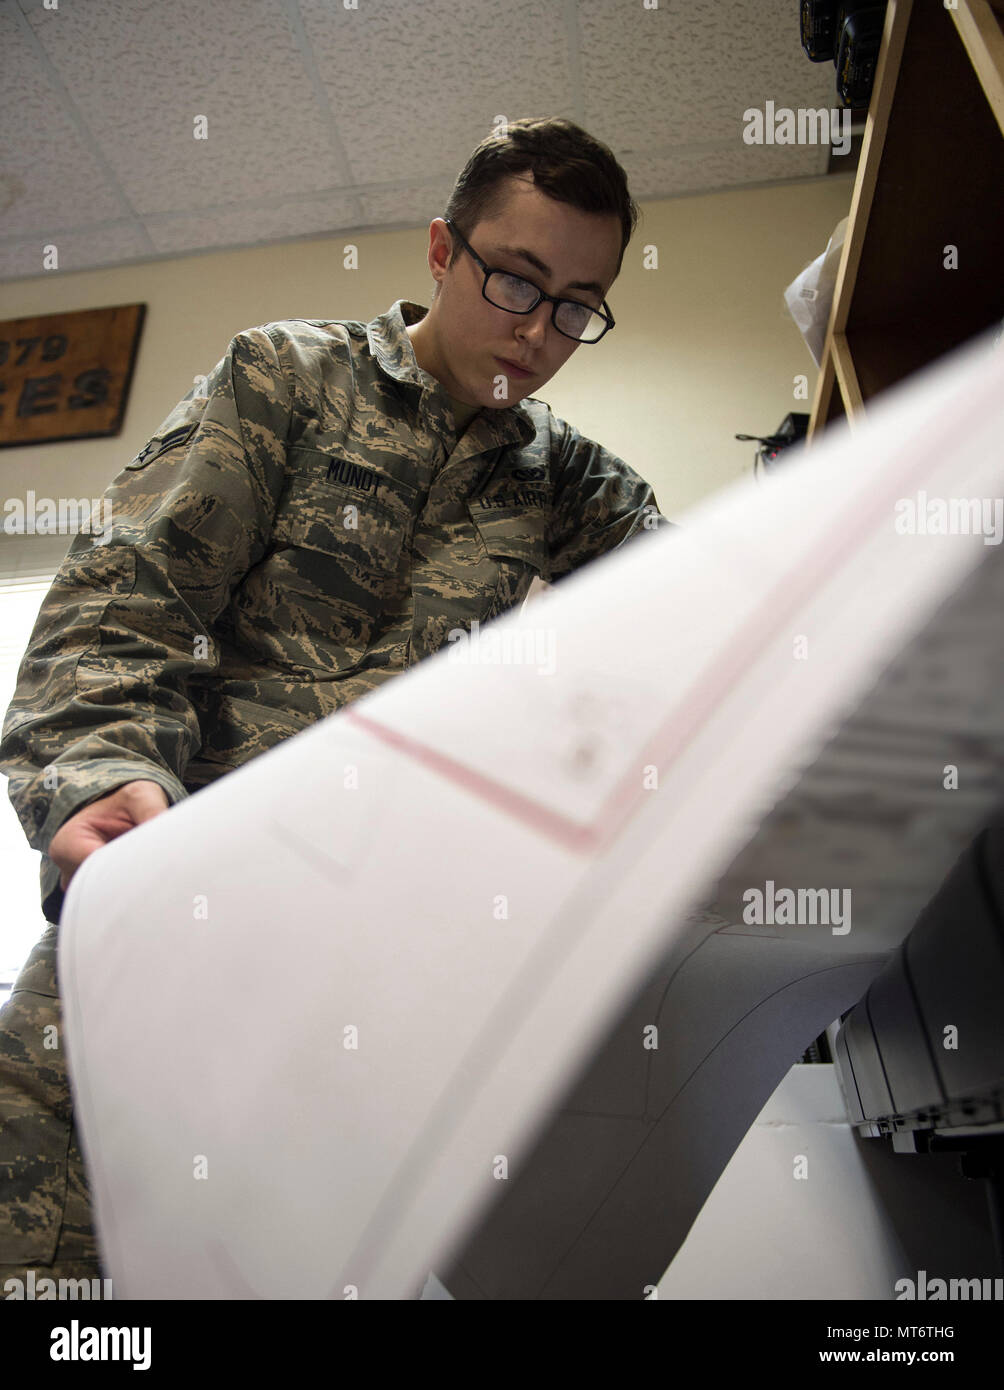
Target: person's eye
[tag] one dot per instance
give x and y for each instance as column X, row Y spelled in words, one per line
column 581, row 313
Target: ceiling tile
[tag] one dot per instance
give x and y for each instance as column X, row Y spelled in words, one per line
column 87, row 249
column 429, row 80
column 49, row 179
column 323, row 119
column 140, row 71
column 303, row 215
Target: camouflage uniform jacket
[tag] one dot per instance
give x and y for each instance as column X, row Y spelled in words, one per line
column 304, row 528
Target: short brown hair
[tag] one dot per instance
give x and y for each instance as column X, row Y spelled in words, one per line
column 567, row 164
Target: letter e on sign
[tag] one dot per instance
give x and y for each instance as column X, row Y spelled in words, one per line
column 67, row 376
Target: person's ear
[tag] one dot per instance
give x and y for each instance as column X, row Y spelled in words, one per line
column 441, row 244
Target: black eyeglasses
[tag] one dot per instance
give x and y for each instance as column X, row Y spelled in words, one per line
column 521, row 296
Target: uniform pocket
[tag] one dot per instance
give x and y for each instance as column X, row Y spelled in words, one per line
column 236, row 730
column 315, row 602
column 516, row 541
column 362, row 534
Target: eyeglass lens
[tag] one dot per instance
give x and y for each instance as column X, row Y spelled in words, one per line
column 516, row 294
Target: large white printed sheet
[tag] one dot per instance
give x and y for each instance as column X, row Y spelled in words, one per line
column 489, row 973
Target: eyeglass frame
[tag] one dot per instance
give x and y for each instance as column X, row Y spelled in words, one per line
column 554, row 300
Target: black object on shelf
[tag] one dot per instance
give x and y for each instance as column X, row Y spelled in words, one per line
column 859, row 40
column 818, row 21
column 791, row 431
column 848, row 33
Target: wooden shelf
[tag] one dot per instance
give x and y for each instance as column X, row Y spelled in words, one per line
column 981, row 27
column 931, row 177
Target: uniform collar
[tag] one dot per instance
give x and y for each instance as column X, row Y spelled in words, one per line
column 395, row 355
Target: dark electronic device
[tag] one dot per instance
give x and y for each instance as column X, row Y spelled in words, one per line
column 921, row 1058
column 818, row 19
column 848, row 33
column 858, row 43
column 791, row 431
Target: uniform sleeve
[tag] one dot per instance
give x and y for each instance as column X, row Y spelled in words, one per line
column 599, row 502
column 101, row 696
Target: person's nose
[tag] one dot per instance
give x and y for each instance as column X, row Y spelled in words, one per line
column 532, row 328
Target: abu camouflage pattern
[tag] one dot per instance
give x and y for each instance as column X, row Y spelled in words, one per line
column 306, row 528
column 45, row 1213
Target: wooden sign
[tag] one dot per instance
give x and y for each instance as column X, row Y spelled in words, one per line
column 67, row 376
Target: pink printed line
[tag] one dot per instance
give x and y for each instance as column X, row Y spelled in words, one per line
column 706, row 697
column 570, row 834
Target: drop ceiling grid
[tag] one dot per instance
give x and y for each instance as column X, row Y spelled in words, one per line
column 323, row 119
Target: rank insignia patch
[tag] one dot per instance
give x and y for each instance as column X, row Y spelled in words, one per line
column 157, row 446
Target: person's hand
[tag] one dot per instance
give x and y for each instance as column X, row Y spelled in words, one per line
column 103, row 820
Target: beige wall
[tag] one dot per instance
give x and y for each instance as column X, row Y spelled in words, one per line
column 703, row 347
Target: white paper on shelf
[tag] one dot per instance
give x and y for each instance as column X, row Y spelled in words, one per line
column 382, row 1001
